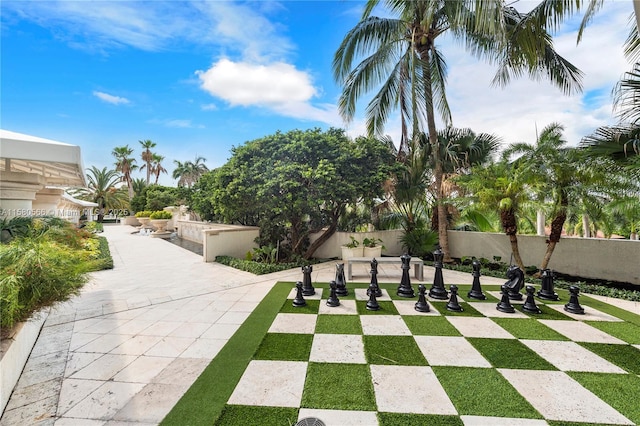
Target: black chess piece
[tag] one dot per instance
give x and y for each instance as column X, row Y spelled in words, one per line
column 374, row 279
column 299, row 300
column 421, row 304
column 453, row 304
column 333, row 300
column 505, row 303
column 372, row 303
column 515, row 283
column 574, row 306
column 546, row 291
column 476, row 289
column 405, row 289
column 341, row 281
column 437, row 290
column 530, row 303
column 307, row 287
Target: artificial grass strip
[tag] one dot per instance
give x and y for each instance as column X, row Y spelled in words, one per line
column 624, row 356
column 430, row 326
column 386, row 308
column 311, row 307
column 625, row 315
column 243, row 415
column 400, row 419
column 628, row 332
column 204, row 401
column 483, row 392
column 338, row 324
column 468, row 310
column 547, row 313
column 393, row 350
column 529, row 329
column 510, row 353
column 338, row 387
column 618, row 390
column 285, row 347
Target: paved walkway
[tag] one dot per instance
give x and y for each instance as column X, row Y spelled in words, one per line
column 128, row 347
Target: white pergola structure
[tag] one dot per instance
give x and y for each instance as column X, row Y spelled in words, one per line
column 34, row 173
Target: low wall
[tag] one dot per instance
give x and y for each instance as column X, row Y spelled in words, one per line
column 192, row 231
column 598, row 258
column 228, row 240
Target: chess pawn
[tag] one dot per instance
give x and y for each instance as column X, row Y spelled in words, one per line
column 307, row 287
column 505, row 303
column 299, row 300
column 333, row 300
column 405, row 289
column 341, row 281
column 421, row 304
column 372, row 303
column 476, row 289
column 374, row 279
column 453, row 304
column 530, row 303
column 437, row 290
column 574, row 306
column 546, row 291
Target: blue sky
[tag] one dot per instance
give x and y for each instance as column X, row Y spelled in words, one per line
column 198, row 77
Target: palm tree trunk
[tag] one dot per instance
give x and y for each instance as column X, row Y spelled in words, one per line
column 513, row 239
column 586, row 228
column 556, row 232
column 510, row 226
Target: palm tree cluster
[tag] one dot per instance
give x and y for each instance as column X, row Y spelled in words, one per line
column 189, row 172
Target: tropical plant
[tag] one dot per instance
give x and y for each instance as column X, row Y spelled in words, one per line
column 125, row 164
column 353, row 243
column 372, row 242
column 147, row 157
column 161, row 214
column 189, row 172
column 143, row 213
column 156, row 166
column 101, row 189
column 139, row 185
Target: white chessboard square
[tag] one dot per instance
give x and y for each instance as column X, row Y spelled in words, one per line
column 256, row 386
column 431, row 299
column 294, row 323
column 590, row 314
column 384, row 325
column 425, row 395
column 346, row 307
column 570, row 356
column 339, row 348
column 340, row 417
column 317, row 296
column 451, row 351
column 500, row 421
column 408, row 307
column 490, row 310
column 581, row 332
column 479, row 327
column 361, row 294
column 547, row 392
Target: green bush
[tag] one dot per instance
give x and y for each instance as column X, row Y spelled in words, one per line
column 144, row 213
column 103, row 259
column 161, row 214
column 257, row 267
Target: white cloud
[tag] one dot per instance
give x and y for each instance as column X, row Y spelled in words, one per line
column 116, row 100
column 176, row 123
column 209, row 107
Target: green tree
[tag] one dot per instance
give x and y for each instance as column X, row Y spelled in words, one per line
column 401, row 57
column 101, row 189
column 125, row 164
column 189, row 172
column 147, row 157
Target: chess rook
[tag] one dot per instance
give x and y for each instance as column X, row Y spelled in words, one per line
column 546, row 291
column 307, row 287
column 574, row 306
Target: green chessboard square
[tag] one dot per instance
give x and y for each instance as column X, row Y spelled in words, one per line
column 628, row 332
column 393, row 350
column 510, row 353
column 547, row 313
column 285, row 347
column 618, row 390
column 386, row 308
column 242, row 415
column 468, row 311
column 401, row 419
column 529, row 329
column 338, row 387
column 483, row 392
column 338, row 324
column 311, row 307
column 430, row 326
column 624, row 356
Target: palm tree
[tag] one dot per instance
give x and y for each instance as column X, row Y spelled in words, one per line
column 404, row 60
column 147, row 157
column 138, row 185
column 101, row 189
column 125, row 164
column 189, row 172
column 156, row 166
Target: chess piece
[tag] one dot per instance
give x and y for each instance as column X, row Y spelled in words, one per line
column 372, row 303
column 421, row 304
column 341, row 281
column 530, row 303
column 299, row 300
column 574, row 306
column 437, row 290
column 476, row 289
column 453, row 304
column 333, row 300
column 307, row 287
column 405, row 289
column 374, row 279
column 515, row 283
column 505, row 303
column 546, row 291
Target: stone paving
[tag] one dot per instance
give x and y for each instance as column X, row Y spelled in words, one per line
column 128, row 347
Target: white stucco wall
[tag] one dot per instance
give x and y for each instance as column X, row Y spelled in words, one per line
column 229, row 242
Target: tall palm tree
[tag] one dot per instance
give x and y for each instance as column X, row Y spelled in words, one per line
column 101, row 189
column 402, row 58
column 189, row 172
column 156, row 166
column 147, row 157
column 125, row 164
column 138, row 185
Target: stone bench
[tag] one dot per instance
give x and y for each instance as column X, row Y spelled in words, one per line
column 416, row 262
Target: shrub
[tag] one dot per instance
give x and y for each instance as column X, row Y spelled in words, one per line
column 257, row 267
column 161, row 214
column 144, row 213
